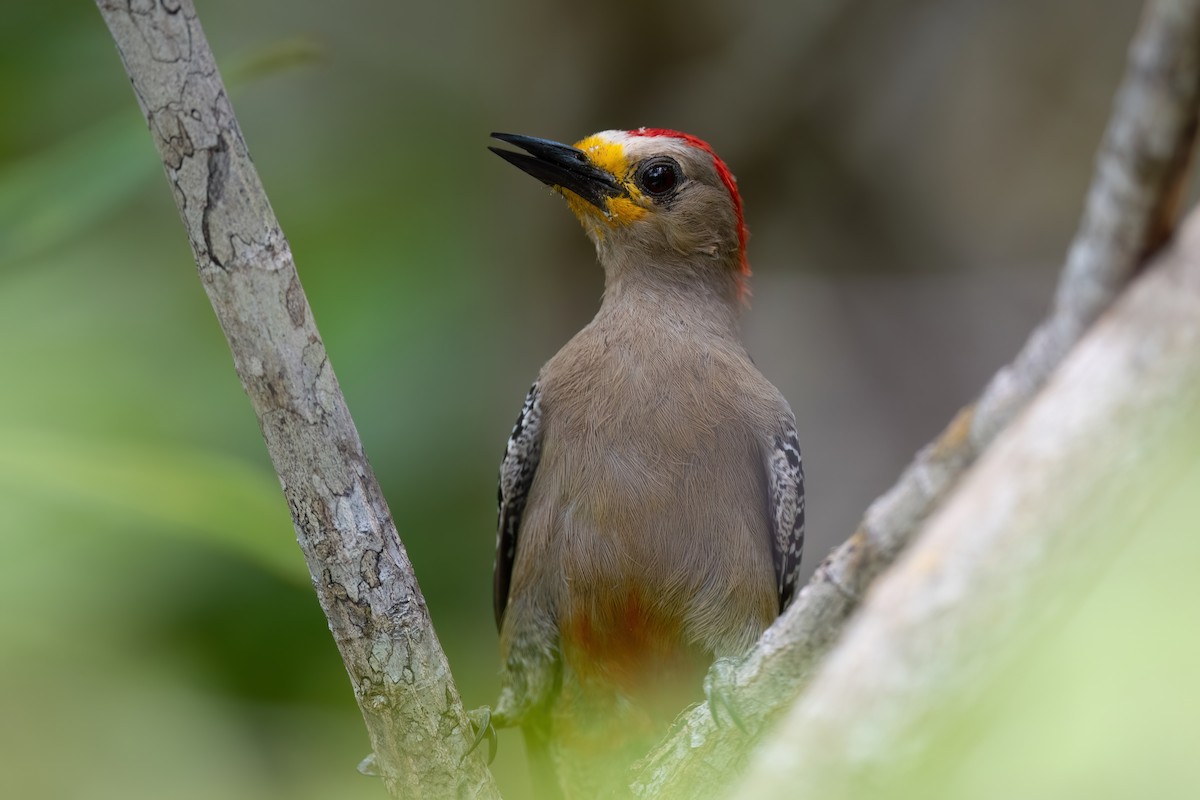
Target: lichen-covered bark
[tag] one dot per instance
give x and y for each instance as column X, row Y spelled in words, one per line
column 362, row 576
column 1130, row 210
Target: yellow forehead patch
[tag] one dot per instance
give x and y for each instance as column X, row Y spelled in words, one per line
column 610, row 157
column 605, row 154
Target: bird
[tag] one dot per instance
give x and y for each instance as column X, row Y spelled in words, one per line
column 651, row 494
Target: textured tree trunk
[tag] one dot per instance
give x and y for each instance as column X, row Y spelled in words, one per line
column 363, row 578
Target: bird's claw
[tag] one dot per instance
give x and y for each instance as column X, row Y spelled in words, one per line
column 481, row 723
column 719, row 686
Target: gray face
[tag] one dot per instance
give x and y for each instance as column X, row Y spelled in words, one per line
column 690, row 212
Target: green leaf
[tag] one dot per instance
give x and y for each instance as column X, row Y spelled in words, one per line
column 221, row 500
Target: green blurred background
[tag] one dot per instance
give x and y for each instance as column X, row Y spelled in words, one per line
column 912, row 174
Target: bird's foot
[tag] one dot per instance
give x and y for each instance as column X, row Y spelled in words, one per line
column 720, row 686
column 481, row 723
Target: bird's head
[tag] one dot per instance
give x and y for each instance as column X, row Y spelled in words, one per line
column 649, row 196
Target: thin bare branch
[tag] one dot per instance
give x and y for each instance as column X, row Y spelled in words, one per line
column 362, row 576
column 1130, row 211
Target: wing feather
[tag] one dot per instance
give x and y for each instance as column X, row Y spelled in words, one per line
column 785, row 486
column 516, row 475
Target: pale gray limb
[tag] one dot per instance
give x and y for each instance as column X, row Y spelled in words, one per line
column 1058, row 494
column 364, row 581
column 1130, row 210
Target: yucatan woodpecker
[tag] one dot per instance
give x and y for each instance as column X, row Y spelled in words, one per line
column 651, row 494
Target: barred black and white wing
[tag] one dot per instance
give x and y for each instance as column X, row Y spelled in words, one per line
column 516, row 475
column 785, row 489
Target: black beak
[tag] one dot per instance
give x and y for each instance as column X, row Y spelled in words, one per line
column 562, row 166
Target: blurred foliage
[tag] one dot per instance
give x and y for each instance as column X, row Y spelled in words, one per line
column 158, row 637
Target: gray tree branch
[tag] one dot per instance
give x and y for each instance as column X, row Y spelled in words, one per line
column 1130, row 211
column 1059, row 491
column 362, row 576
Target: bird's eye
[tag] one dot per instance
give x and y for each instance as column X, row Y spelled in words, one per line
column 658, row 177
